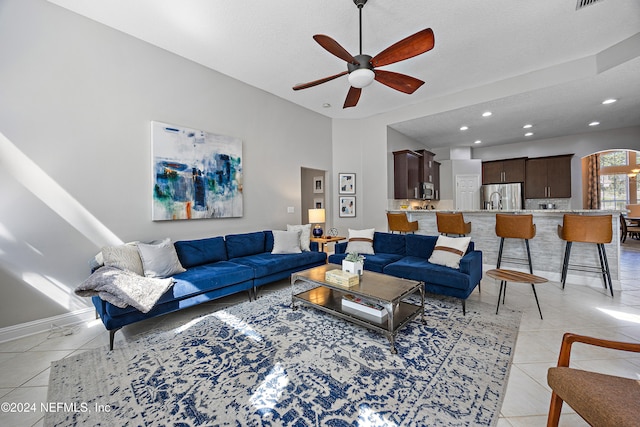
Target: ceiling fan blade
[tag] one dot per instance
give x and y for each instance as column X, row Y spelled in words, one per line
column 334, row 48
column 320, row 81
column 352, row 97
column 397, row 81
column 409, row 47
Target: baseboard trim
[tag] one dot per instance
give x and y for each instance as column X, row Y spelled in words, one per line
column 43, row 325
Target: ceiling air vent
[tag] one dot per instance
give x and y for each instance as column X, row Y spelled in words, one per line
column 585, row 3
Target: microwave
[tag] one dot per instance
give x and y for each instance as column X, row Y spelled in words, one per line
column 427, row 191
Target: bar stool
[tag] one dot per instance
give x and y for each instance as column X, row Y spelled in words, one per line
column 452, row 223
column 587, row 229
column 517, row 227
column 399, row 222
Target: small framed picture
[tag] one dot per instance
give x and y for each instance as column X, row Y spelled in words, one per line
column 318, row 184
column 347, row 182
column 347, row 206
column 318, row 203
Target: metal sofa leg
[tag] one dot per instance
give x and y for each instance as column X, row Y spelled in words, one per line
column 464, row 307
column 111, row 334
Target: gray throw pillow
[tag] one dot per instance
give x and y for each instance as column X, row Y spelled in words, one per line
column 286, row 242
column 160, row 260
column 305, row 235
column 124, row 257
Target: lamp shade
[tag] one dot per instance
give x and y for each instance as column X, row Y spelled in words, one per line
column 316, row 216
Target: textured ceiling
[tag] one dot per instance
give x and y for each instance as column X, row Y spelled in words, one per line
column 479, row 45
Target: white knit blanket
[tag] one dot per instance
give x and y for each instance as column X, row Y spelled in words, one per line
column 123, row 288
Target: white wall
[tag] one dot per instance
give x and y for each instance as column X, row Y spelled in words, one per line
column 76, row 101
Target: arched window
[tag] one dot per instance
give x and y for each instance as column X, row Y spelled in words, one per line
column 619, row 171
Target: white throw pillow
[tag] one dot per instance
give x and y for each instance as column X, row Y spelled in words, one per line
column 449, row 251
column 160, row 260
column 124, row 257
column 286, row 242
column 305, row 235
column 361, row 241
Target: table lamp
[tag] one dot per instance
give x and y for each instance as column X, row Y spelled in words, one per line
column 317, row 216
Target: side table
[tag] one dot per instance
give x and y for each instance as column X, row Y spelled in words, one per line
column 322, row 241
column 505, row 276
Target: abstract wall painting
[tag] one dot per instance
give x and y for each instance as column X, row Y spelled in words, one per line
column 196, row 174
column 347, row 206
column 347, row 183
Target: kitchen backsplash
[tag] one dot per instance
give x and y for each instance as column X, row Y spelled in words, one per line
column 563, row 204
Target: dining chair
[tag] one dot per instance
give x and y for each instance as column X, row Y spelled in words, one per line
column 600, row 399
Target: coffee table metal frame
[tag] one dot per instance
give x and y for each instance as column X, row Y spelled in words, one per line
column 388, row 291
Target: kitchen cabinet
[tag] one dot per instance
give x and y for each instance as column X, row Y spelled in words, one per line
column 426, row 169
column 502, row 171
column 406, row 179
column 548, row 177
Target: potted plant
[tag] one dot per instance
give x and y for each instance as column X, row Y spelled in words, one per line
column 353, row 263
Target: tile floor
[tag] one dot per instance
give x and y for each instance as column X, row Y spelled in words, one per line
column 24, row 363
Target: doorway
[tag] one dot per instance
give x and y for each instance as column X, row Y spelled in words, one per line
column 313, row 192
column 467, row 192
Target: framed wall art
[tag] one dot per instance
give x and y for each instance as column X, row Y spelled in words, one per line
column 196, row 174
column 318, row 184
column 347, row 182
column 318, row 203
column 347, row 205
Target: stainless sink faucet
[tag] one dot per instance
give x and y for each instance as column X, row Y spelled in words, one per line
column 499, row 204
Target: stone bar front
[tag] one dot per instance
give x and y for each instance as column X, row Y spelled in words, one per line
column 547, row 249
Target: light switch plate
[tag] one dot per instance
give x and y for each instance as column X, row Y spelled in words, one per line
column 290, row 209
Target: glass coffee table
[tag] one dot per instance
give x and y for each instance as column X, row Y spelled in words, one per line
column 386, row 311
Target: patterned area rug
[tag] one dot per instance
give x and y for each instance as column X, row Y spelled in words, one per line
column 263, row 364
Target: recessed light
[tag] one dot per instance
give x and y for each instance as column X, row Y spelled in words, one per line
column 594, row 123
column 609, row 101
column 477, row 142
column 464, row 127
column 527, row 126
column 486, row 114
column 528, row 134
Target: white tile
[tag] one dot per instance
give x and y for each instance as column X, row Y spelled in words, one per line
column 34, row 396
column 17, row 371
column 23, row 344
column 524, row 396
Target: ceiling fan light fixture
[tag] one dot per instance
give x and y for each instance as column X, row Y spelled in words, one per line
column 361, row 77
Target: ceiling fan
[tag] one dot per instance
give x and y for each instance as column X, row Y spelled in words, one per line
column 362, row 69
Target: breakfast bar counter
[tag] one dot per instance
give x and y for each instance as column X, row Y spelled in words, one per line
column 547, row 249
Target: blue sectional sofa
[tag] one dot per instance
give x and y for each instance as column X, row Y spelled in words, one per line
column 407, row 256
column 215, row 267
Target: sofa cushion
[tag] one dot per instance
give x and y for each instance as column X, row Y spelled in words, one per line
column 197, row 280
column 240, row 245
column 418, row 268
column 449, row 250
column 160, row 260
column 361, row 241
column 420, row 246
column 266, row 264
column 203, row 251
column 375, row 262
column 286, row 242
column 389, row 243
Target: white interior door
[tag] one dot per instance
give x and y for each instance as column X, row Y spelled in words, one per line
column 467, row 192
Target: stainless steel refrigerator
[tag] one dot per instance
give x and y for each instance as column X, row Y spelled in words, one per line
column 501, row 196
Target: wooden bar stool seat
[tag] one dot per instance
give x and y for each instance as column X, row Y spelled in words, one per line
column 505, row 276
column 452, row 223
column 587, row 229
column 399, row 222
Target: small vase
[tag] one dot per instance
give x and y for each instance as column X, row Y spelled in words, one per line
column 353, row 267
